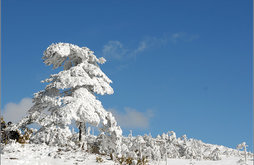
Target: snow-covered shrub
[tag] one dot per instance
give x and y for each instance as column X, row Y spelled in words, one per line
column 215, row 154
column 53, row 136
column 7, row 133
column 25, row 137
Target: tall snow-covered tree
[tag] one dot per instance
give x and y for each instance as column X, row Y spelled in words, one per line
column 70, row 95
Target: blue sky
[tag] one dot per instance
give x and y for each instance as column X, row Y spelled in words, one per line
column 181, row 65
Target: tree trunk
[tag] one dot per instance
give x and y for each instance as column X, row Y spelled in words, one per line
column 80, row 132
column 82, row 129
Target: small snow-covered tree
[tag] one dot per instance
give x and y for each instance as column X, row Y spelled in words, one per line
column 215, row 154
column 243, row 146
column 70, row 95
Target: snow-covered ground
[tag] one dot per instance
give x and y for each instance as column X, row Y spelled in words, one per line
column 224, row 161
column 31, row 154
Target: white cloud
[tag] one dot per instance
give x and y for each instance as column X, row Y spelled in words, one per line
column 116, row 50
column 132, row 118
column 14, row 112
column 142, row 46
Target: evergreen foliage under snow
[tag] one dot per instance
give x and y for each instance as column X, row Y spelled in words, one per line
column 70, row 96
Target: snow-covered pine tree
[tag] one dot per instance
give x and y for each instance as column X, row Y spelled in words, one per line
column 70, row 96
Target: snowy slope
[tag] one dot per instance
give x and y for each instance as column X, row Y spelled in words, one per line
column 31, row 154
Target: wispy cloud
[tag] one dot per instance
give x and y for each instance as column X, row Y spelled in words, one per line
column 141, row 47
column 132, row 118
column 14, row 112
column 115, row 50
column 178, row 37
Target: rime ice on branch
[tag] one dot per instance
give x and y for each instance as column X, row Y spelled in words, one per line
column 70, row 95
